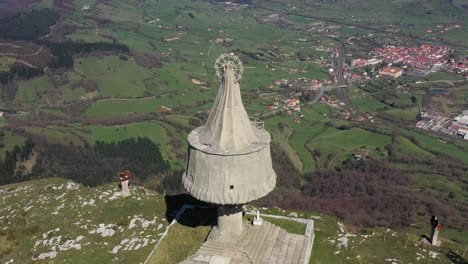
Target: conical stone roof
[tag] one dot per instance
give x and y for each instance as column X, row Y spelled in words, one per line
column 228, row 129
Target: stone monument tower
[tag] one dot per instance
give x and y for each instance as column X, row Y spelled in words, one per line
column 229, row 160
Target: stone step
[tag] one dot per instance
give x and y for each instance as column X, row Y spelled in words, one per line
column 265, row 244
column 237, row 257
column 268, row 247
column 283, row 249
column 205, row 259
column 253, row 240
column 220, row 252
column 194, row 262
column 298, row 249
column 266, row 229
column 235, row 261
column 277, row 246
column 290, row 251
column 304, row 249
column 220, row 245
column 197, row 259
column 252, row 236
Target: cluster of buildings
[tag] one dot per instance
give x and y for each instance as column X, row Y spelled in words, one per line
column 292, row 106
column 434, row 121
column 360, row 62
column 346, row 113
column 392, row 72
column 460, row 125
column 330, row 101
column 443, row 28
column 422, row 60
column 232, row 6
column 460, row 66
column 222, row 40
column 288, row 104
column 423, row 57
column 302, row 83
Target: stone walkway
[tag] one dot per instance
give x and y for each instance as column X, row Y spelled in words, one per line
column 265, row 244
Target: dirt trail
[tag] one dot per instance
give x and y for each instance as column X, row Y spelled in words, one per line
column 21, row 55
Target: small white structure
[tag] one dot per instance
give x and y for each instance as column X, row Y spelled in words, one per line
column 257, row 220
column 124, row 178
column 2, row 114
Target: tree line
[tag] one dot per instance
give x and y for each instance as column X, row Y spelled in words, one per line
column 28, row 26
column 20, row 70
column 9, row 163
column 89, row 165
column 63, row 51
column 363, row 193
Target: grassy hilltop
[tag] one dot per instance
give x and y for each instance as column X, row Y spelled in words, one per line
column 56, row 221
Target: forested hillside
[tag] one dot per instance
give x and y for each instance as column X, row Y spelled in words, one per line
column 89, row 165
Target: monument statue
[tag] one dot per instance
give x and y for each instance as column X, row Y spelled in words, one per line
column 229, row 161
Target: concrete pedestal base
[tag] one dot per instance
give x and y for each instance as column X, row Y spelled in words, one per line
column 229, row 227
column 257, row 222
column 125, row 189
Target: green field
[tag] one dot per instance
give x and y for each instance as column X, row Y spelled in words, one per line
column 31, row 90
column 120, row 107
column 159, row 132
column 442, row 184
column 439, row 145
column 280, row 136
column 408, row 148
column 3, row 122
column 10, row 140
column 365, row 102
column 115, row 77
column 368, row 104
column 339, row 144
column 436, row 76
column 409, row 114
column 56, row 134
column 298, row 140
column 5, row 63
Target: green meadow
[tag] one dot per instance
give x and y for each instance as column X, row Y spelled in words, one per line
column 115, row 77
column 31, row 90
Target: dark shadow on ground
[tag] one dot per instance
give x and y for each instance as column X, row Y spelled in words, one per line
column 456, row 258
column 192, row 217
